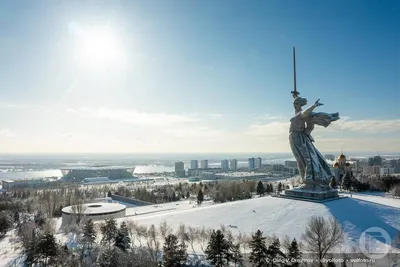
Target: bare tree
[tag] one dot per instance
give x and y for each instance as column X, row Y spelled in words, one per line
column 203, row 238
column 78, row 211
column 182, row 233
column 322, row 235
column 141, row 231
column 165, row 229
column 223, row 228
column 50, row 226
column 192, row 234
column 241, row 239
column 131, row 225
column 286, row 243
column 152, row 242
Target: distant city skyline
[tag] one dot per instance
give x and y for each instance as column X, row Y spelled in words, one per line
column 195, row 76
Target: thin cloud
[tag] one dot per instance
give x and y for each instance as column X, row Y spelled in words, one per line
column 268, row 117
column 22, row 106
column 368, row 126
column 216, row 115
column 344, row 124
column 7, row 133
column 133, row 116
column 68, row 135
column 276, row 128
column 194, row 132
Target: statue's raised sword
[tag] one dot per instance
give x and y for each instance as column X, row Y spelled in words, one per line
column 295, row 93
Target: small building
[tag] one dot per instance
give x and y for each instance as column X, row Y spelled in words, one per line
column 207, row 176
column 94, row 211
column 22, row 183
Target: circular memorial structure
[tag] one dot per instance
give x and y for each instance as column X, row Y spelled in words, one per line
column 95, row 211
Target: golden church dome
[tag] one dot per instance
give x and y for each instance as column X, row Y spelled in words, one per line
column 336, row 165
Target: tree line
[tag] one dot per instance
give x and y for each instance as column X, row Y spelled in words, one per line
column 109, row 244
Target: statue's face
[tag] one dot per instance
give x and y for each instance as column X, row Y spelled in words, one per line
column 297, row 105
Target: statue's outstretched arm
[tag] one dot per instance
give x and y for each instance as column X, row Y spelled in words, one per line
column 306, row 113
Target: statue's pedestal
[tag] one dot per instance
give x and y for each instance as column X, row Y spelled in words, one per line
column 310, row 195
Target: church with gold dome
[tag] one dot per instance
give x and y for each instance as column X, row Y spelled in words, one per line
column 341, row 168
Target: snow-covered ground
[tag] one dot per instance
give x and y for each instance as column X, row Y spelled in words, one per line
column 273, row 216
column 277, row 215
column 9, row 248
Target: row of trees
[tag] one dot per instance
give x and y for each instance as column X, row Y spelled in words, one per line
column 385, row 183
column 116, row 246
column 219, row 191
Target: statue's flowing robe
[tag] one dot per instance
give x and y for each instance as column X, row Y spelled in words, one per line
column 312, row 165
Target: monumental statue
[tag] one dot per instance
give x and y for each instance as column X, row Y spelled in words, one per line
column 314, row 170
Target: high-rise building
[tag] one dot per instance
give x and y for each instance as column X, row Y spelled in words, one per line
column 233, row 164
column 375, row 161
column 180, row 169
column 224, row 165
column 251, row 163
column 258, row 163
column 194, row 164
column 204, row 164
column 291, row 163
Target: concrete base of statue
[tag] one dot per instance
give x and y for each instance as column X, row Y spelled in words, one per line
column 317, row 194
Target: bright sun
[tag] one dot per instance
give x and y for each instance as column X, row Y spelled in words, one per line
column 98, row 48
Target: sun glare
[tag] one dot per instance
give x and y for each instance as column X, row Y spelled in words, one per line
column 98, row 48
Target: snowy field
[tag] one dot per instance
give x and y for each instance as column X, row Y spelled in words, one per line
column 273, row 216
column 277, row 215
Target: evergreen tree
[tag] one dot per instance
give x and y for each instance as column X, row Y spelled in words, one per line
column 346, row 182
column 218, row 250
column 89, row 233
column 294, row 253
column 260, row 188
column 274, row 251
column 5, row 223
column 109, row 231
column 122, row 240
column 32, row 250
column 200, row 197
column 111, row 257
column 271, row 188
column 174, row 255
column 280, row 187
column 258, row 254
column 333, row 183
column 187, row 194
column 330, row 264
column 16, row 216
column 47, row 246
column 109, row 193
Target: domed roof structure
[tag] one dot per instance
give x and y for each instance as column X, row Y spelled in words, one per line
column 336, row 165
column 341, row 157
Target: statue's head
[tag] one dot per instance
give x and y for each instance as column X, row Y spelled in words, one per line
column 298, row 102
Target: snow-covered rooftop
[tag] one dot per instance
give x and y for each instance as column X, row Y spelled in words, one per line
column 97, row 208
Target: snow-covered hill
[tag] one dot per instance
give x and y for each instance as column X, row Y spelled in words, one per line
column 273, row 216
column 279, row 216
